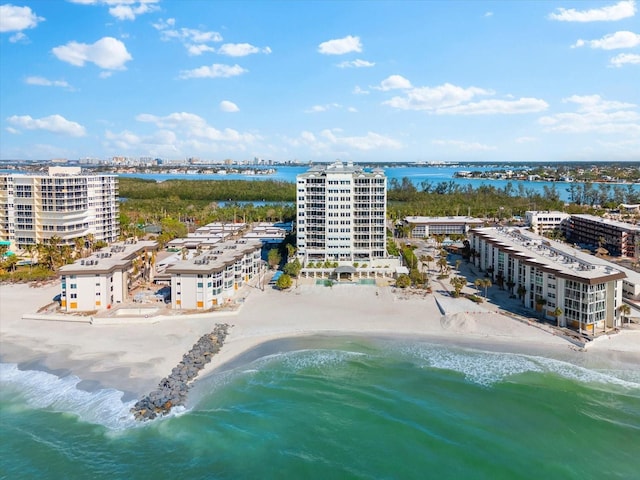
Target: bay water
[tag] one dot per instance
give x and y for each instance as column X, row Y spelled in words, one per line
column 337, row 407
column 417, row 175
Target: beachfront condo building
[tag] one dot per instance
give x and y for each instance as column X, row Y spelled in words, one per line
column 64, row 203
column 559, row 282
column 213, row 277
column 341, row 211
column 107, row 277
column 618, row 238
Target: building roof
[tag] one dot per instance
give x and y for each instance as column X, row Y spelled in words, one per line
column 216, row 259
column 550, row 256
column 453, row 220
column 608, row 221
column 118, row 255
column 339, row 167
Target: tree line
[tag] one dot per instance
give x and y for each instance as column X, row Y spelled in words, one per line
column 208, row 190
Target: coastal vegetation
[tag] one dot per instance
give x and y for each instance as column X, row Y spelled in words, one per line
column 44, row 259
column 197, row 202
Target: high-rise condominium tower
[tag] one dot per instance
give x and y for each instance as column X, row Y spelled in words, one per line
column 341, row 211
column 65, row 203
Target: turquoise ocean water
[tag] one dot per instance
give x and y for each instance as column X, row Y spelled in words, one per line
column 338, row 408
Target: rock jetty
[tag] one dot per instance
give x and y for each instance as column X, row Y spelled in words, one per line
column 172, row 390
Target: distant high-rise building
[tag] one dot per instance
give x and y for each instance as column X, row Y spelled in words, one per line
column 65, row 203
column 341, row 211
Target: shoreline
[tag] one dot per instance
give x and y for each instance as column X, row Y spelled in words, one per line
column 134, row 358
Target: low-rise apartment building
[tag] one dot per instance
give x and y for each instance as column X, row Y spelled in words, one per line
column 549, row 275
column 214, row 276
column 105, row 278
column 619, row 238
column 422, row 227
column 544, row 222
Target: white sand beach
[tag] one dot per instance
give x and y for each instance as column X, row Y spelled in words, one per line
column 134, row 357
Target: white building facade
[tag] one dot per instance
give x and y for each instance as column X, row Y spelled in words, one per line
column 65, row 203
column 422, row 227
column 214, row 277
column 341, row 212
column 547, row 275
column 105, row 278
column 543, row 222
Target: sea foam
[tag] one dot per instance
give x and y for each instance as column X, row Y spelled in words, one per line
column 487, row 368
column 44, row 390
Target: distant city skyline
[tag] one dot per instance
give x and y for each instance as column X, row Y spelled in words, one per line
column 362, row 81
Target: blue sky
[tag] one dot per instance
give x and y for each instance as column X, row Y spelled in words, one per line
column 322, row 80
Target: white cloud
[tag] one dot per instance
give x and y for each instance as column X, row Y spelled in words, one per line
column 493, row 107
column 613, row 41
column 162, row 143
column 108, row 53
column 192, row 126
column 124, row 9
column 340, row 46
column 526, row 139
column 195, row 41
column 14, row 19
column 488, row 14
column 620, row 10
column 217, row 70
column 464, row 146
column 241, row 49
column 393, row 82
column 370, row 141
column 323, row 108
column 355, row 64
column 595, row 103
column 44, row 82
column 52, row 123
column 454, row 100
column 18, row 37
column 332, row 141
column 227, row 106
column 359, row 91
column 595, row 115
column 434, row 98
column 624, row 59
column 199, row 49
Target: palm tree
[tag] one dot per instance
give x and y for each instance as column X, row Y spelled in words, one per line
column 90, row 240
column 624, row 310
column 291, row 251
column 458, row 284
column 556, row 314
column 510, row 284
column 78, row 243
column 31, row 250
column 428, row 259
column 522, row 291
column 540, row 303
column 442, row 263
column 478, row 283
column 50, row 253
column 486, row 284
